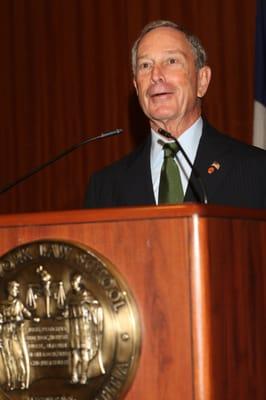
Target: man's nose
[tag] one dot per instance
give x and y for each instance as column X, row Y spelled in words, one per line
column 157, row 74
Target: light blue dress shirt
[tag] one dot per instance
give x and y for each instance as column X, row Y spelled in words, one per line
column 189, row 140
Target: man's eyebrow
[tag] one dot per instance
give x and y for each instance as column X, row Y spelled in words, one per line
column 143, row 56
column 173, row 51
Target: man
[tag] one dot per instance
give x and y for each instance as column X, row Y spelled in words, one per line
column 14, row 347
column 83, row 312
column 171, row 77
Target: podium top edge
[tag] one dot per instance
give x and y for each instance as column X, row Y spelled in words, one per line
column 130, row 213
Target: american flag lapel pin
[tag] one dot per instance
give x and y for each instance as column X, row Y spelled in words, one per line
column 215, row 166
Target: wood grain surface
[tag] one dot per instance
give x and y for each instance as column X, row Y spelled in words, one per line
column 198, row 276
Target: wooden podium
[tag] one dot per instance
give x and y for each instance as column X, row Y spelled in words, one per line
column 198, row 275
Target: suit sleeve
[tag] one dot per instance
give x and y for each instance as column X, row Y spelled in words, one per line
column 100, row 191
column 91, row 198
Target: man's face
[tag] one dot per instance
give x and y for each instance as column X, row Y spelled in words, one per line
column 75, row 282
column 166, row 80
column 13, row 290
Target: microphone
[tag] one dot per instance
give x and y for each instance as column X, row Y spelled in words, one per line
column 37, row 169
column 193, row 169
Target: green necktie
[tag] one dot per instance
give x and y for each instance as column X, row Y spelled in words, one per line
column 170, row 189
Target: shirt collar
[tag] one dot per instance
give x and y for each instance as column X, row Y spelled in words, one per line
column 189, row 141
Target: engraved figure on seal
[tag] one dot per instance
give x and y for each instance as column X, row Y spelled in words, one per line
column 85, row 317
column 46, row 280
column 13, row 345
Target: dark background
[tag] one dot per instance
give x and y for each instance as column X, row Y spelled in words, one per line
column 65, row 75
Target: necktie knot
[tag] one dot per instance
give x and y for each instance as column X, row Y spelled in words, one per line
column 170, row 149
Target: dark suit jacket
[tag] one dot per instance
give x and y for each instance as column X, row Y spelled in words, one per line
column 240, row 180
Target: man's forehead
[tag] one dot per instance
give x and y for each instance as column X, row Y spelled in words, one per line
column 165, row 51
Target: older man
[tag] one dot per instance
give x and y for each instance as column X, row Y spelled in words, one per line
column 171, row 77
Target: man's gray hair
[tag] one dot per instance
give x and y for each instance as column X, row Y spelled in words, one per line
column 197, row 48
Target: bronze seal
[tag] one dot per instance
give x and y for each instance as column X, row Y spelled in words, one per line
column 69, row 326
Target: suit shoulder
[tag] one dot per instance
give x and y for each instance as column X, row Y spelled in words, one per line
column 106, row 185
column 120, row 166
column 233, row 146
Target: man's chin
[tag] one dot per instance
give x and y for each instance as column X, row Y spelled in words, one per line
column 162, row 111
column 161, row 117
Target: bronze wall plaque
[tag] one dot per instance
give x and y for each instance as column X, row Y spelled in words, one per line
column 69, row 326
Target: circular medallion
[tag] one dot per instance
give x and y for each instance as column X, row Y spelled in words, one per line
column 69, row 326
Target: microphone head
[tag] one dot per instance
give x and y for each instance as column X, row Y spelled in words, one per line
column 118, row 131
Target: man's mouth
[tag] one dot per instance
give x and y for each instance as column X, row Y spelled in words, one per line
column 160, row 91
column 160, row 94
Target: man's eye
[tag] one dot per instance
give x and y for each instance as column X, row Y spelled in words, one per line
column 172, row 60
column 144, row 65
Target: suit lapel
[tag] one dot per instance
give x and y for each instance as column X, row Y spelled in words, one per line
column 213, row 150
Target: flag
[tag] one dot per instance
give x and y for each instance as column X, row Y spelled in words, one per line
column 259, row 127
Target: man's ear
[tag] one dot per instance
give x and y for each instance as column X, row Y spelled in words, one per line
column 135, row 86
column 204, row 78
